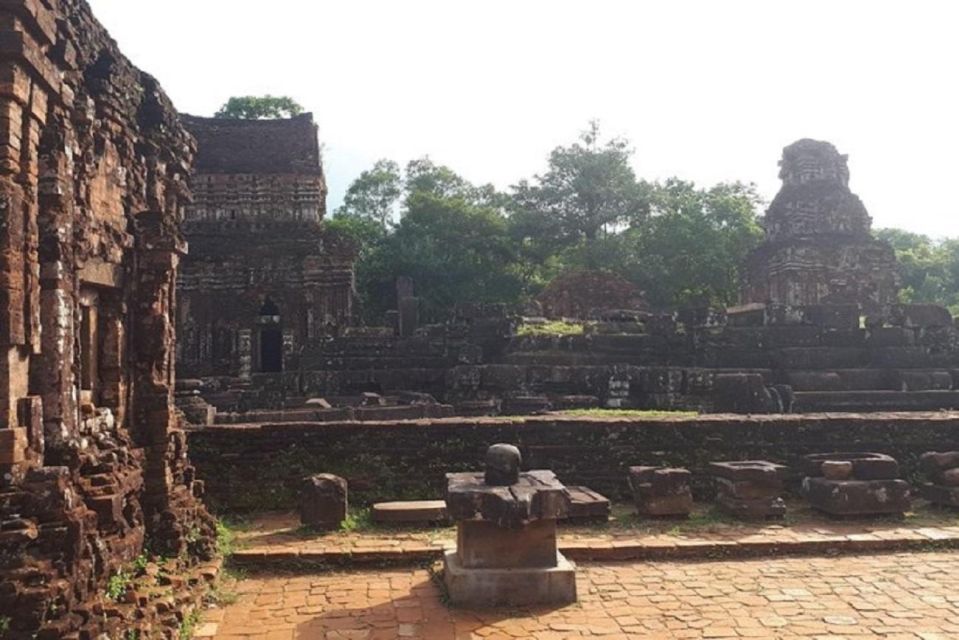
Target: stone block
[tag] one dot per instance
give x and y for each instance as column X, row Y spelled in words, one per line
column 323, row 501
column 940, row 495
column 661, row 491
column 756, row 509
column 935, row 461
column 538, row 495
column 758, row 472
column 410, row 512
column 485, row 545
column 866, row 466
column 555, row 585
column 13, row 445
column 857, row 497
column 585, row 505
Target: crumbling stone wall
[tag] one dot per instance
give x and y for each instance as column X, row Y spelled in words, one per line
column 263, row 278
column 819, row 246
column 260, row 467
column 94, row 166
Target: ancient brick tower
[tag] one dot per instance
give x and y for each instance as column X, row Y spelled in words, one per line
column 819, row 246
column 94, row 167
column 263, row 278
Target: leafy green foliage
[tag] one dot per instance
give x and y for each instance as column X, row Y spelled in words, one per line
column 259, row 108
column 4, row 625
column 225, row 539
column 692, row 247
column 373, row 197
column 189, row 624
column 451, row 239
column 929, row 268
column 117, row 585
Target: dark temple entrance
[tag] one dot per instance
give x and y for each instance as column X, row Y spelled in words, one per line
column 271, row 338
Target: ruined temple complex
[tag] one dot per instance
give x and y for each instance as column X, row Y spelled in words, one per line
column 263, row 278
column 178, row 331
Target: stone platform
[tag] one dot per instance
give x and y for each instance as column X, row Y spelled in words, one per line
column 514, row 587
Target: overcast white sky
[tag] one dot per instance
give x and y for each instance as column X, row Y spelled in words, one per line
column 707, row 90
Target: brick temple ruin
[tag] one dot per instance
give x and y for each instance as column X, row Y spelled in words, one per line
column 263, row 278
column 819, row 245
column 820, row 330
column 94, row 168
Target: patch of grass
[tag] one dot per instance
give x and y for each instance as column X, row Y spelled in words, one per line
column 551, row 328
column 225, row 539
column 4, row 625
column 188, row 626
column 358, row 520
column 642, row 414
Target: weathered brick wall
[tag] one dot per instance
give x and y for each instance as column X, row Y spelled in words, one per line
column 257, row 243
column 94, row 168
column 257, row 467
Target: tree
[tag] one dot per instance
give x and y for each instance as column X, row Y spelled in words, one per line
column 589, row 190
column 451, row 239
column 374, row 194
column 691, row 250
column 929, row 268
column 259, row 108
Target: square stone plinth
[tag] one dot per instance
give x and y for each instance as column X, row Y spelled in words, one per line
column 509, row 587
column 857, row 497
column 485, row 545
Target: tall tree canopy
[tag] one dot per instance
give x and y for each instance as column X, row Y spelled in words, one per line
column 929, row 268
column 451, row 238
column 374, row 195
column 259, row 108
column 680, row 243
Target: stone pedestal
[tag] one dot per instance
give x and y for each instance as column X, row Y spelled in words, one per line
column 855, row 484
column 942, row 469
column 750, row 490
column 661, row 491
column 323, row 501
column 506, row 552
column 509, row 587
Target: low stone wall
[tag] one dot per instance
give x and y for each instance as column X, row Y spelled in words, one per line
column 257, row 467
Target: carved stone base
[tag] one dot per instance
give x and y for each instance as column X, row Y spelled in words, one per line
column 509, row 587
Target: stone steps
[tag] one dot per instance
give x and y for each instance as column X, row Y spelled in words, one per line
column 871, row 401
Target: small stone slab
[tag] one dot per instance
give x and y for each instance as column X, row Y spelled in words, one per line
column 538, row 495
column 587, row 506
column 412, row 512
column 866, row 466
column 756, row 472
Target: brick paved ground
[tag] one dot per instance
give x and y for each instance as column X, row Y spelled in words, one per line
column 275, row 538
column 882, row 596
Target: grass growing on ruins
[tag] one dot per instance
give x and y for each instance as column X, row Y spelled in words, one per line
column 552, row 328
column 225, row 539
column 642, row 414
